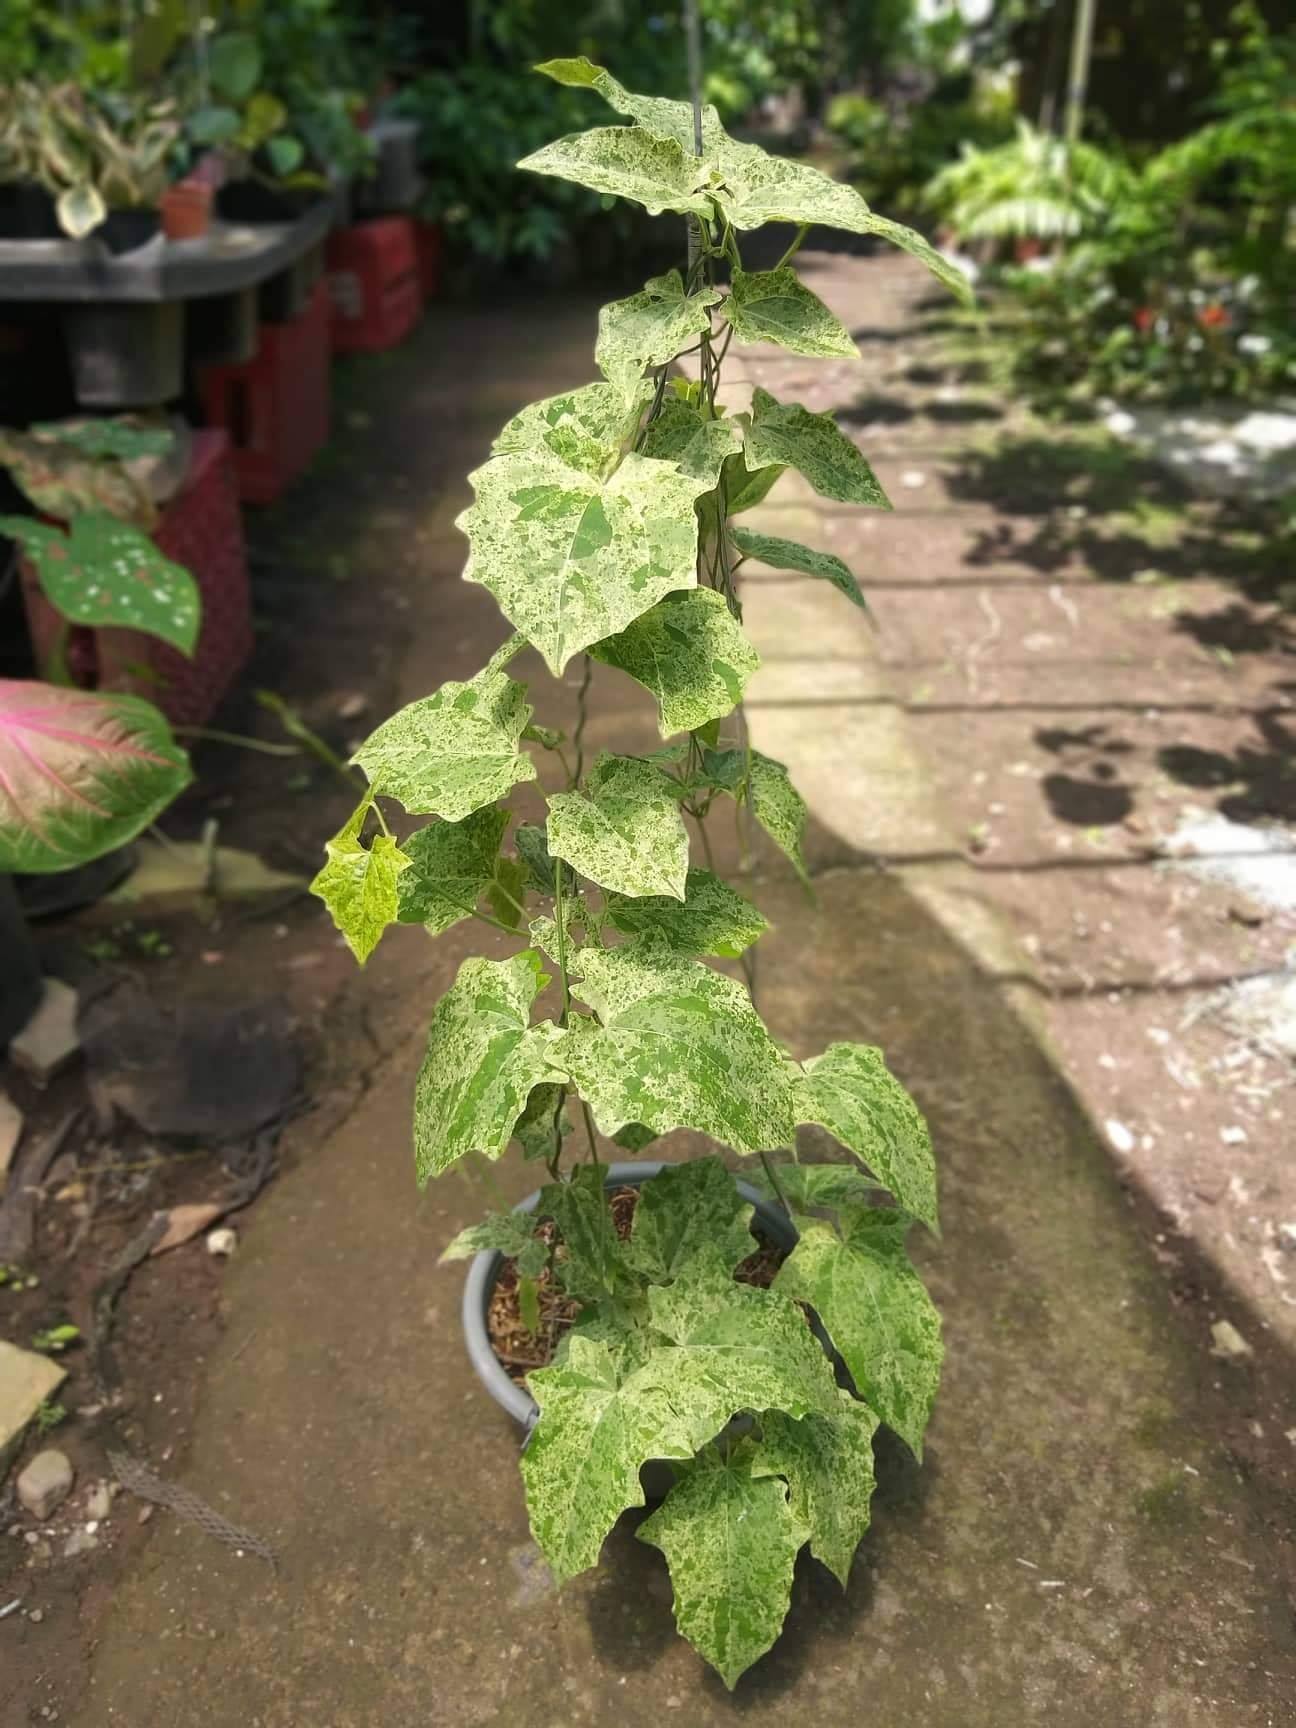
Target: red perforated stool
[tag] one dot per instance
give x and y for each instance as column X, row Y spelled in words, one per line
column 275, row 407
column 201, row 528
column 427, row 242
column 373, row 278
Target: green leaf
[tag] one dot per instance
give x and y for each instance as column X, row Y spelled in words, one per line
column 285, row 152
column 876, row 1311
column 358, row 884
column 776, row 306
column 634, row 1137
column 533, row 849
column 691, row 652
column 483, row 1057
column 80, row 773
column 213, row 123
column 778, row 807
column 727, row 1347
column 450, row 753
column 811, row 443
column 746, row 488
column 544, row 1124
column 714, row 918
column 587, row 428
column 529, row 1303
column 114, row 439
column 788, row 555
column 623, row 830
column 827, row 1462
column 824, row 1185
column 659, row 115
column 571, row 559
column 62, row 481
column 104, row 572
column 914, row 244
column 506, row 893
column 697, row 444
column 80, row 210
column 850, row 1092
column 731, row 1540
column 593, row 1264
column 679, row 1046
column 234, row 64
column 725, row 770
column 684, row 1210
column 506, row 1232
column 451, row 864
column 650, row 328
column 627, row 163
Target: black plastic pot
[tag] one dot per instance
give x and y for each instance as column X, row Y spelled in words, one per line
column 221, row 329
column 20, row 973
column 124, row 231
column 126, row 353
column 27, row 213
column 252, row 201
column 484, row 1271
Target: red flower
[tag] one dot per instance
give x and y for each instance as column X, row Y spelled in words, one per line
column 1213, row 317
column 1143, row 318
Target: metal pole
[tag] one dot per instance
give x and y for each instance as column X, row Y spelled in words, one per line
column 1078, row 72
column 693, row 38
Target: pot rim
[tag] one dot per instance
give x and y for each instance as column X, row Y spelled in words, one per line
column 484, row 1270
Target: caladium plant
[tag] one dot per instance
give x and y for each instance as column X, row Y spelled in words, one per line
column 602, row 524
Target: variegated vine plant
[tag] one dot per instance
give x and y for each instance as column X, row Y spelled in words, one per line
column 604, row 526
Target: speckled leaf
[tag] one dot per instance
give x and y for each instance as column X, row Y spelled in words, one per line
column 691, row 652
column 506, row 892
column 105, row 572
column 778, row 807
column 571, row 560
column 452, row 752
column 511, row 1233
column 544, row 1124
column 684, row 1209
column 586, row 428
column 80, row 773
column 776, row 306
column 533, row 849
column 917, row 247
column 714, row 918
column 656, row 114
column 359, row 883
column 679, row 1046
column 450, row 866
column 650, row 328
column 788, row 555
column 876, row 1311
column 820, row 1185
column 827, row 1462
column 623, row 830
column 627, row 163
column 634, row 1137
column 699, row 445
column 62, row 478
column 745, row 488
column 811, row 443
column 850, row 1092
column 119, row 440
column 726, row 1347
column 731, row 1540
column 483, row 1057
column 592, row 1264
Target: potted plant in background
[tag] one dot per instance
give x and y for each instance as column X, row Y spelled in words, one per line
column 605, row 525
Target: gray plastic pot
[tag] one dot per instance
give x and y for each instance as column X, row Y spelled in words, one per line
column 484, row 1270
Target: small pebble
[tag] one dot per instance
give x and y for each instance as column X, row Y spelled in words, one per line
column 1119, row 1135
column 222, row 1242
column 36, row 1616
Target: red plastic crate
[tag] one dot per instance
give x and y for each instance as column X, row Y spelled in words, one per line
column 428, row 244
column 373, row 278
column 201, row 528
column 275, row 407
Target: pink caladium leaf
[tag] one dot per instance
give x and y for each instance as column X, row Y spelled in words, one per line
column 80, row 773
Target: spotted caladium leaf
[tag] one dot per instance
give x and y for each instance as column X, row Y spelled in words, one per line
column 713, row 919
column 776, row 306
column 483, row 1057
column 105, row 572
column 714, row 1348
column 699, row 445
column 691, row 652
column 592, row 1264
column 63, row 480
column 676, row 1045
column 850, row 1091
column 880, row 1318
column 116, row 440
column 812, row 444
column 627, row 163
column 731, row 1540
column 623, row 829
column 542, row 1127
column 656, row 114
column 789, row 555
column 509, row 1233
column 827, row 1462
column 686, row 1210
column 359, row 883
column 80, row 773
column 650, row 328
column 452, row 752
column 587, row 428
column 571, row 559
column 451, row 865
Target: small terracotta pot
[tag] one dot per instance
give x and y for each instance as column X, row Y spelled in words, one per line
column 186, row 210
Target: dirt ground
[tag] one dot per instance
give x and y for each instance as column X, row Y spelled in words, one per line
column 1073, row 652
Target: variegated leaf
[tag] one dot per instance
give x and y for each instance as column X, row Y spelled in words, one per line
column 592, row 1264
column 359, row 883
column 627, row 162
column 784, row 432
column 697, row 444
column 451, row 864
column 789, row 555
column 778, row 807
column 571, row 559
column 776, row 306
column 684, row 1210
column 650, row 328
column 827, row 1462
column 623, row 829
column 691, row 652
column 714, row 918
column 659, row 115
column 542, row 1127
column 850, row 1091
column 587, row 429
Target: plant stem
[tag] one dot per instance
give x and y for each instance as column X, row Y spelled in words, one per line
column 589, row 1129
column 561, row 922
column 215, row 736
column 582, row 715
column 706, row 841
column 775, row 1183
column 797, row 242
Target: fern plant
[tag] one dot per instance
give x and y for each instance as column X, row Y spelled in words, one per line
column 1031, row 188
column 604, row 524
